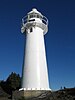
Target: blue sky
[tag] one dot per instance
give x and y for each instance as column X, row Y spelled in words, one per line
column 60, row 39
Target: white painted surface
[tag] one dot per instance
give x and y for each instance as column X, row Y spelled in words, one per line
column 35, row 75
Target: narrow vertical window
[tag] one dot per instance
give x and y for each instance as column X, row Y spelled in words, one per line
column 31, row 29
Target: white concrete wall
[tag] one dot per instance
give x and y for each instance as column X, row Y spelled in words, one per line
column 35, row 75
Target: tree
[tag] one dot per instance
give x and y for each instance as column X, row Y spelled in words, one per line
column 13, row 81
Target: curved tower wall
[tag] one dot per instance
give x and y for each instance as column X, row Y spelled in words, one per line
column 35, row 74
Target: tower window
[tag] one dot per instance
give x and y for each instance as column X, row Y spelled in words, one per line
column 32, row 20
column 31, row 29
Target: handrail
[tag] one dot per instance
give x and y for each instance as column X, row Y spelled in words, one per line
column 44, row 19
column 24, row 19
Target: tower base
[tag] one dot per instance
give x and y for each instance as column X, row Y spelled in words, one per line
column 30, row 94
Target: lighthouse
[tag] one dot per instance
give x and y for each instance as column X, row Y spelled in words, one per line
column 34, row 73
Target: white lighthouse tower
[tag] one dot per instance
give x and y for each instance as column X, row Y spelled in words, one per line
column 35, row 74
